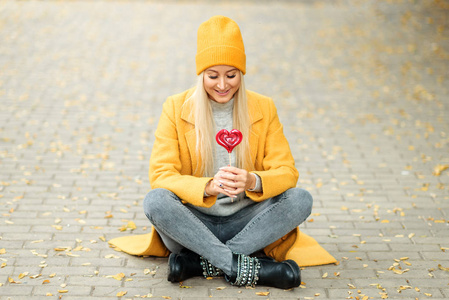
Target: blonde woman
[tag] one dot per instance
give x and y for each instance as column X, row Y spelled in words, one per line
column 213, row 218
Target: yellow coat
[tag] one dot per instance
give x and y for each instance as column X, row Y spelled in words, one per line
column 173, row 166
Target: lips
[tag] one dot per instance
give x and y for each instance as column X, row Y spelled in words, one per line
column 224, row 93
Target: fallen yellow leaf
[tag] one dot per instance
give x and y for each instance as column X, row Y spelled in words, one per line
column 130, row 226
column 438, row 169
column 262, row 293
column 118, row 276
column 10, row 280
column 121, row 294
column 443, row 268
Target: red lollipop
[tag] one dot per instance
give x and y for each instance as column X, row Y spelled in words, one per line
column 229, row 139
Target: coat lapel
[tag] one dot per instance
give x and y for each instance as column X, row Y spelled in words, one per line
column 190, row 135
column 255, row 115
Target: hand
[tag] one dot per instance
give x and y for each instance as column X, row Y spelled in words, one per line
column 231, row 181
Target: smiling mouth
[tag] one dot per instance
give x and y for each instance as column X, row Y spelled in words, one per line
column 222, row 93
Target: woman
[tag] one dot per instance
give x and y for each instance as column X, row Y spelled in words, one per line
column 213, row 217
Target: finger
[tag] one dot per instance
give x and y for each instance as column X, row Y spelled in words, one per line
column 231, row 169
column 228, row 193
column 229, row 176
column 223, row 189
column 232, row 185
column 235, row 192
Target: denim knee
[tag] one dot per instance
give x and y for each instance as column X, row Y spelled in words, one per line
column 301, row 200
column 155, row 202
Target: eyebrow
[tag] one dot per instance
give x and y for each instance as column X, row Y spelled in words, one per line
column 212, row 70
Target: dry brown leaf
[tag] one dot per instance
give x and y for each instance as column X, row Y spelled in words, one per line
column 45, row 281
column 220, row 288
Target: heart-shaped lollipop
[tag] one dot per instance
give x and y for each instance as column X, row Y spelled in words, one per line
column 229, row 139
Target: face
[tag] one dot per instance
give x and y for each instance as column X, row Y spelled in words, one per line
column 221, row 82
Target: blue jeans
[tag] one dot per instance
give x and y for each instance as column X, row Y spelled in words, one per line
column 216, row 238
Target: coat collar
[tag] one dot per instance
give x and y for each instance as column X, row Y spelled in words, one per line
column 253, row 107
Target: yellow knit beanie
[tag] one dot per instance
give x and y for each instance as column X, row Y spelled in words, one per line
column 220, row 43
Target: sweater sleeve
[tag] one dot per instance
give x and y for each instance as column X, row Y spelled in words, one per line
column 165, row 163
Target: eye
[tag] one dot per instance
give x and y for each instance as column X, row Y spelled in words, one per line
column 213, row 77
column 231, row 76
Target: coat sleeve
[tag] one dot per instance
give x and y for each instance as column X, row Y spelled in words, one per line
column 278, row 172
column 165, row 162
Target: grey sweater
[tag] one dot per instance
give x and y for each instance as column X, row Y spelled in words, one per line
column 224, row 206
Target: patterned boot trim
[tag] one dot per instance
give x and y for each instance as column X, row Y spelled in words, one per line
column 210, row 270
column 247, row 271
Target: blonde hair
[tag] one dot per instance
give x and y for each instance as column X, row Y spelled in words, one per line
column 205, row 128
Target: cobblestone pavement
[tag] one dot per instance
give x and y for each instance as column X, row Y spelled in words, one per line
column 361, row 87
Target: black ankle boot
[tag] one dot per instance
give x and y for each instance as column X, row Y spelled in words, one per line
column 250, row 271
column 188, row 264
column 183, row 266
column 283, row 275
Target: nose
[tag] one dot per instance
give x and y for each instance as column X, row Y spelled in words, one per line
column 221, row 83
